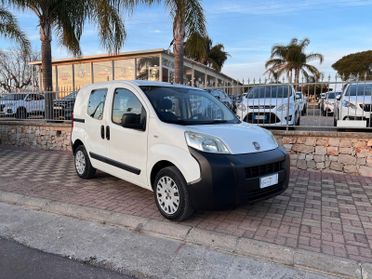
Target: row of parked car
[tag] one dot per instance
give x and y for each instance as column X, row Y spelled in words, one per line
column 23, row 105
column 277, row 104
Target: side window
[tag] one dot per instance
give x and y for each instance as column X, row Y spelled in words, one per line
column 30, row 97
column 127, row 110
column 96, row 103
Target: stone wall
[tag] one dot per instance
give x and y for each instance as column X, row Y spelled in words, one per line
column 330, row 151
column 37, row 135
column 310, row 150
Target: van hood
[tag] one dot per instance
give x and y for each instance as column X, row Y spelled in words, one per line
column 240, row 138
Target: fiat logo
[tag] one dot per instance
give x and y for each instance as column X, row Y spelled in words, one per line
column 256, row 145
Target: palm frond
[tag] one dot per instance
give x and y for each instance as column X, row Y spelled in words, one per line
column 315, row 56
column 9, row 28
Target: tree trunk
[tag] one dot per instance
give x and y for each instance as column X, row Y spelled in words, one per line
column 46, row 65
column 46, row 55
column 297, row 78
column 178, row 48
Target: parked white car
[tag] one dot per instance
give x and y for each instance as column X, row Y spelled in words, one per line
column 179, row 142
column 302, row 102
column 273, row 104
column 355, row 104
column 21, row 105
column 327, row 106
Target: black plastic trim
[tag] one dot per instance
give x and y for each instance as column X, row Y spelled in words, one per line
column 115, row 163
column 80, row 120
column 224, row 182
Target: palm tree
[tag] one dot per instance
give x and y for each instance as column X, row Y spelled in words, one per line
column 188, row 17
column 217, row 57
column 9, row 28
column 291, row 59
column 67, row 19
column 200, row 49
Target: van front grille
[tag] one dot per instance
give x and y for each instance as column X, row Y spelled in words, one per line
column 257, row 171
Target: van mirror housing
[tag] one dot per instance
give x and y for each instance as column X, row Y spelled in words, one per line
column 133, row 121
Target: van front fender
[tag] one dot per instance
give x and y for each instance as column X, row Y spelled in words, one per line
column 179, row 157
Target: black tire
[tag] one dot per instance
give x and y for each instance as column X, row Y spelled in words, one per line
column 21, row 113
column 184, row 209
column 334, row 122
column 85, row 170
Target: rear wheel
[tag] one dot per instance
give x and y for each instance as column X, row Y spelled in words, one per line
column 171, row 194
column 21, row 113
column 83, row 166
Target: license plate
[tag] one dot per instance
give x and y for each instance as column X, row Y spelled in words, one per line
column 260, row 117
column 269, row 180
column 59, row 108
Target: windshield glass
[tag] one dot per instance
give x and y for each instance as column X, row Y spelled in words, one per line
column 359, row 90
column 187, row 106
column 270, row 91
column 13, row 97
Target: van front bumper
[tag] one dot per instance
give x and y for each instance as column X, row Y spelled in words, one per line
column 229, row 180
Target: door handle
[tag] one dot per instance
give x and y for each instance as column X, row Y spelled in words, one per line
column 108, row 132
column 102, row 132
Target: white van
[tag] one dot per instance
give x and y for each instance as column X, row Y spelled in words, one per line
column 179, row 142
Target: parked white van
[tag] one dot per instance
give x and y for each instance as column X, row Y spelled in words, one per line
column 180, row 142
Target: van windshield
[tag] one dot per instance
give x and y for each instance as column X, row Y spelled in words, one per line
column 187, row 106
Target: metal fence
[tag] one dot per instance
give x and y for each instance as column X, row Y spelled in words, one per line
column 330, row 105
column 318, row 105
column 36, row 105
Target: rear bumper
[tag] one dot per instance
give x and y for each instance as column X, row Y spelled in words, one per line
column 230, row 180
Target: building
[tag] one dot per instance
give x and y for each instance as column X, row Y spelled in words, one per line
column 156, row 65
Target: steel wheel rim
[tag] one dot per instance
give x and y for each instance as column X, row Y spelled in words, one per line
column 80, row 162
column 167, row 195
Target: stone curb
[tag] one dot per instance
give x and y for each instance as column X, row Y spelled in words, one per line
column 240, row 246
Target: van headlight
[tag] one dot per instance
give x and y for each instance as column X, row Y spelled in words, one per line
column 206, row 143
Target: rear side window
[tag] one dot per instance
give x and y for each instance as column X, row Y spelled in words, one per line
column 96, row 103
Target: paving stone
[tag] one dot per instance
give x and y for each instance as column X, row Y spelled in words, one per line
column 320, row 212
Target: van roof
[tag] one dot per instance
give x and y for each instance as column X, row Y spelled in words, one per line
column 142, row 83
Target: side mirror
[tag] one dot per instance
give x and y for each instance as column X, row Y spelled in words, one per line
column 338, row 97
column 133, row 121
column 298, row 97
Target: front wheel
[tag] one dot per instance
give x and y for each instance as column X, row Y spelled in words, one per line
column 171, row 194
column 83, row 166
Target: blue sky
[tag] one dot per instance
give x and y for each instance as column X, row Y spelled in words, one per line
column 247, row 28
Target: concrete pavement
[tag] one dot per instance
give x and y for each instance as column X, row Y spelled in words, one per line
column 320, row 212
